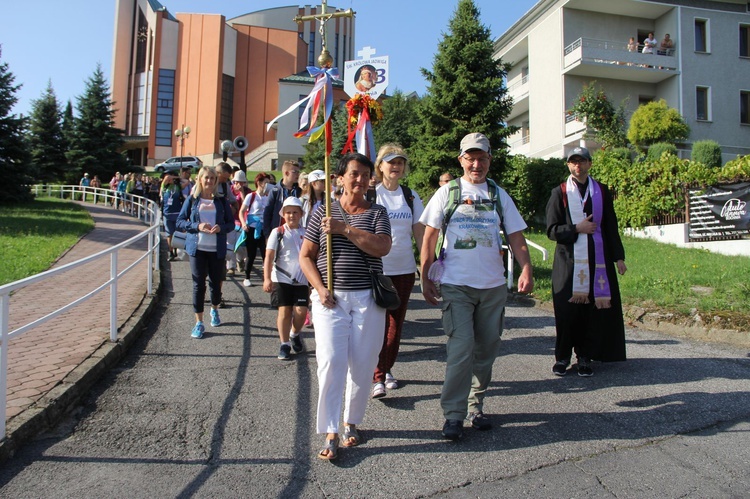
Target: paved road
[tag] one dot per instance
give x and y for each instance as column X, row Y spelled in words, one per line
column 222, row 417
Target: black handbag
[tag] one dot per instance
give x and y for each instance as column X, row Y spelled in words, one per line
column 383, row 290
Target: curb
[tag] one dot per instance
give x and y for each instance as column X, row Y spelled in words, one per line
column 58, row 402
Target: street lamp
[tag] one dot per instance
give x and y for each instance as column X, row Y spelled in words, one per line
column 182, row 133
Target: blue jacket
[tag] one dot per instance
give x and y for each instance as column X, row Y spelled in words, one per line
column 189, row 218
column 271, row 216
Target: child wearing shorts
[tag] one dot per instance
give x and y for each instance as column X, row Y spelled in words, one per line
column 283, row 278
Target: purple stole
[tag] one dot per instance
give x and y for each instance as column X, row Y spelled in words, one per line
column 581, row 269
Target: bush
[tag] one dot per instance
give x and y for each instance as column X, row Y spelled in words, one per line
column 655, row 151
column 529, row 182
column 656, row 122
column 707, row 152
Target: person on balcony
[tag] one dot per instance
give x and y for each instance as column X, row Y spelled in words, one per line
column 632, row 45
column 666, row 45
column 649, row 44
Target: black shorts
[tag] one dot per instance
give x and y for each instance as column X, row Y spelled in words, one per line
column 289, row 295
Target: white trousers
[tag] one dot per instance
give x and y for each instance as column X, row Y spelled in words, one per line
column 348, row 339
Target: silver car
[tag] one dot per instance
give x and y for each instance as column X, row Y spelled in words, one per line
column 174, row 163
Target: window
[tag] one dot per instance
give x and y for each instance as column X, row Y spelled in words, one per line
column 701, row 35
column 311, row 50
column 745, row 107
column 164, row 105
column 703, row 103
column 744, row 40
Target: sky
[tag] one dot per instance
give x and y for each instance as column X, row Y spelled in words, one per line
column 63, row 41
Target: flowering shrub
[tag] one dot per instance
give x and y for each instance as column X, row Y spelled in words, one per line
column 593, row 107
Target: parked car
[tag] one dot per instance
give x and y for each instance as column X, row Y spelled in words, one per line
column 174, row 163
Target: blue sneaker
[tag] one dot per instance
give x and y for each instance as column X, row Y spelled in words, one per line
column 198, row 330
column 215, row 320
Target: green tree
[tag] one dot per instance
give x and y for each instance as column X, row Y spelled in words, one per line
column 68, row 125
column 95, row 142
column 465, row 94
column 314, row 158
column 656, row 122
column 14, row 158
column 593, row 107
column 45, row 138
column 399, row 119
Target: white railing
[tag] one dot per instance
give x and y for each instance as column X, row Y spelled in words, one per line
column 616, row 52
column 146, row 210
column 509, row 263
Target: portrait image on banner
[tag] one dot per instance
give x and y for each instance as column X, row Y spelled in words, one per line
column 366, row 76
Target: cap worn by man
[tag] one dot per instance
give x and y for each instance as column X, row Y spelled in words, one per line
column 475, row 141
column 579, row 151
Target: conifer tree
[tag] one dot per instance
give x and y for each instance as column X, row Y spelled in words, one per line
column 465, row 94
column 13, row 154
column 45, row 138
column 399, row 118
column 95, row 141
column 68, row 124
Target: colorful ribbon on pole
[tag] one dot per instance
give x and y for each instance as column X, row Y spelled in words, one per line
column 362, row 109
column 321, row 96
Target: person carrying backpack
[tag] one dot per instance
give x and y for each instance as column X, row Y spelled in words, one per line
column 404, row 209
column 465, row 267
column 283, row 278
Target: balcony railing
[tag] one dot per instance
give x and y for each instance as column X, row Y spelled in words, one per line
column 593, row 51
column 523, row 81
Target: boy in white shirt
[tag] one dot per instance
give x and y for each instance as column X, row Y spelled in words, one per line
column 283, row 278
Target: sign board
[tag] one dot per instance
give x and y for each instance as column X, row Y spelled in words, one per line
column 366, row 76
column 720, row 212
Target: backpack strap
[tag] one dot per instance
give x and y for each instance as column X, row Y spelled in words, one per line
column 409, row 196
column 279, row 243
column 454, row 199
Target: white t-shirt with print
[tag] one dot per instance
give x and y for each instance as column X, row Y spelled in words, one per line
column 472, row 251
column 400, row 260
column 207, row 212
column 288, row 257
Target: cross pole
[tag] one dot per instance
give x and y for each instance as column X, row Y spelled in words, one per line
column 326, row 61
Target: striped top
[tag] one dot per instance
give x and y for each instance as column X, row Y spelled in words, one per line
column 349, row 271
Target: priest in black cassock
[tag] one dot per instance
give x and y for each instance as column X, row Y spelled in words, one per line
column 586, row 296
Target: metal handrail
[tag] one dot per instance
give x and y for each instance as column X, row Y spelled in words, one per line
column 147, row 210
column 509, row 266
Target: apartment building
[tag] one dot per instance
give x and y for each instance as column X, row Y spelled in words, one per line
column 221, row 78
column 560, row 45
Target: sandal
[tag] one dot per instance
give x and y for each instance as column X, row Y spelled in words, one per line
column 351, row 436
column 332, row 446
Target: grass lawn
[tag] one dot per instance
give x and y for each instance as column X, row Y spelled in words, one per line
column 665, row 277
column 34, row 235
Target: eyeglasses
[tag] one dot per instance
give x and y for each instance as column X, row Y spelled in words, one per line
column 577, row 159
column 484, row 160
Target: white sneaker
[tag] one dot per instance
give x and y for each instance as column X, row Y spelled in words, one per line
column 390, row 382
column 247, row 283
column 378, row 390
